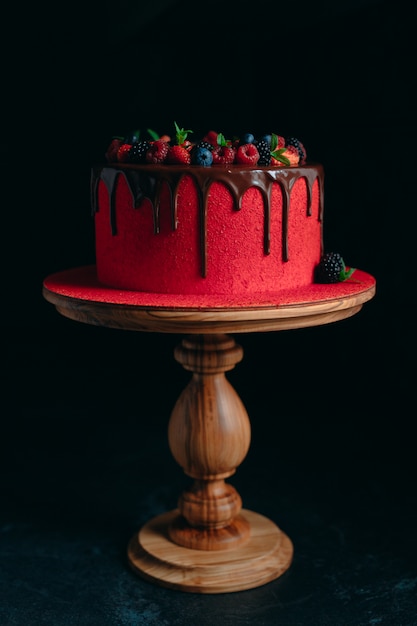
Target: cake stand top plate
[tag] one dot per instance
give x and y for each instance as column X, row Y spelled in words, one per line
column 77, row 294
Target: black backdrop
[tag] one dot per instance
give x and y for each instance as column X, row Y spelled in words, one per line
column 338, row 75
column 341, row 76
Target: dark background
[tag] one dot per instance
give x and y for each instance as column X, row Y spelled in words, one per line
column 84, row 457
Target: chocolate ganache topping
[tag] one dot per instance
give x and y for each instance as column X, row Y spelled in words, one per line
column 146, row 181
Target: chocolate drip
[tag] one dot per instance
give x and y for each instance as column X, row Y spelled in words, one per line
column 147, row 181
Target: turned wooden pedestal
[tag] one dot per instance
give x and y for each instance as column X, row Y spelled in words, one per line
column 209, row 544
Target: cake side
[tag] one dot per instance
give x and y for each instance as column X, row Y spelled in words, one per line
column 218, row 230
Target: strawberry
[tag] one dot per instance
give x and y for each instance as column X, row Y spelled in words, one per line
column 278, row 158
column 291, row 153
column 293, row 141
column 123, row 153
column 280, row 142
column 178, row 155
column 157, row 152
column 247, row 154
column 181, row 134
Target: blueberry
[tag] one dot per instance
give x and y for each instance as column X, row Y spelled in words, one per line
column 202, row 156
column 267, row 138
column 247, row 138
column 132, row 137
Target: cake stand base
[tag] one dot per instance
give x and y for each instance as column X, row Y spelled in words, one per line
column 265, row 556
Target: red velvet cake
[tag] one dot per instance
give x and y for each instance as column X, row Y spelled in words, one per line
column 251, row 224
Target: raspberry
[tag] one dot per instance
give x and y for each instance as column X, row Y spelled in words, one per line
column 112, row 150
column 223, row 155
column 157, row 152
column 332, row 269
column 247, row 154
column 123, row 153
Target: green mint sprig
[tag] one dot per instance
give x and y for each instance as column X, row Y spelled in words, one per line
column 181, row 134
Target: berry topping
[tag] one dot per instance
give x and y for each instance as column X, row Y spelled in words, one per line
column 247, row 154
column 132, row 137
column 224, row 153
column 204, row 144
column 113, row 149
column 211, row 137
column 266, row 138
column 201, row 156
column 291, row 154
column 293, row 141
column 277, row 151
column 332, row 269
column 268, row 150
column 123, row 153
column 264, row 150
column 157, row 152
column 138, row 151
column 247, row 138
column 178, row 155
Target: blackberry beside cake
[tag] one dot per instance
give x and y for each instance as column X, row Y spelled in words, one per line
column 213, row 216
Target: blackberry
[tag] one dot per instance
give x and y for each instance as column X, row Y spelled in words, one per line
column 293, row 141
column 332, row 269
column 138, row 151
column 204, row 144
column 264, row 149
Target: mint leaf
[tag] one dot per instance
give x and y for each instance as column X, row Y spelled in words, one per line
column 345, row 274
column 153, row 134
column 279, row 156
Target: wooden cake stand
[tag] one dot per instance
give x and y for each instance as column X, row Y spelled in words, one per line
column 209, row 544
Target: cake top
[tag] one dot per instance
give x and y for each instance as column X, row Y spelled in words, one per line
column 213, row 149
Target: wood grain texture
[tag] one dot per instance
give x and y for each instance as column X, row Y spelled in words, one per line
column 209, row 436
column 264, row 557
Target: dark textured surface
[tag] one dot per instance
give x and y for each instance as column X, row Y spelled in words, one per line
column 85, row 462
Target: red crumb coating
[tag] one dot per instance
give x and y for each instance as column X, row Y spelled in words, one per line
column 170, row 262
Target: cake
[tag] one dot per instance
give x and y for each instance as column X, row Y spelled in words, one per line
column 237, row 218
